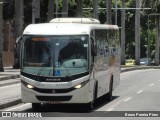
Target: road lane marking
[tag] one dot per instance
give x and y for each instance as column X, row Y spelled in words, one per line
column 114, row 105
column 10, row 86
column 151, row 85
column 139, row 91
column 14, row 108
column 128, row 99
column 110, row 109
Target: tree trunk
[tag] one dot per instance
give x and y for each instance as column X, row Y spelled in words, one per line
column 1, row 37
column 123, row 38
column 50, row 10
column 79, row 10
column 95, row 9
column 109, row 13
column 18, row 18
column 157, row 38
column 64, row 8
column 36, row 11
column 137, row 33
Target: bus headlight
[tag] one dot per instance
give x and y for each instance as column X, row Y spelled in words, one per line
column 30, row 86
column 81, row 85
column 78, row 86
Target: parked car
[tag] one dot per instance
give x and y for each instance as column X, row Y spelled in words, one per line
column 129, row 62
column 145, row 61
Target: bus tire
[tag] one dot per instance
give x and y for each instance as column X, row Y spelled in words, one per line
column 109, row 94
column 90, row 105
column 36, row 106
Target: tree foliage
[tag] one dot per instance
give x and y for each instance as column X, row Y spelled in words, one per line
column 8, row 13
column 8, row 9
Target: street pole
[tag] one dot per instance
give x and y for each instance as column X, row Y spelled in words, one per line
column 137, row 33
column 35, row 11
column 56, row 8
column 116, row 12
column 108, row 16
column 148, row 48
column 19, row 15
column 95, row 9
column 123, row 34
column 64, row 8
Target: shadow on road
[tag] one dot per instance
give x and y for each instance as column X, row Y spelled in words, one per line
column 72, row 108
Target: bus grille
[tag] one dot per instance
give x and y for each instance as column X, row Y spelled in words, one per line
column 54, row 98
column 41, row 90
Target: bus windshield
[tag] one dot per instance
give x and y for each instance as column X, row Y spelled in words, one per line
column 55, row 55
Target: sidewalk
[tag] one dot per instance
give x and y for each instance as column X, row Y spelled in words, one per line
column 12, row 76
column 9, row 73
column 8, row 77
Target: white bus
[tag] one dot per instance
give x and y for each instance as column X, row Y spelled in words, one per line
column 69, row 61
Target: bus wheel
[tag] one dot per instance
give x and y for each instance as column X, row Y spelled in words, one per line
column 36, row 106
column 90, row 105
column 109, row 94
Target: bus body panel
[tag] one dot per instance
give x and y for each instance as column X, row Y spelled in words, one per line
column 82, row 95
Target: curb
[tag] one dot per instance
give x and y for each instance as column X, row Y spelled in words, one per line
column 10, row 77
column 9, row 83
column 131, row 68
column 123, row 69
column 11, row 103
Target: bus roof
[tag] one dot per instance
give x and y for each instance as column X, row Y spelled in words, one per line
column 64, row 28
column 75, row 20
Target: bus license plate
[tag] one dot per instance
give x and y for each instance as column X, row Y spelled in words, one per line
column 54, row 102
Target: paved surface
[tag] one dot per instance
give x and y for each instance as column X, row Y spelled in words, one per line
column 12, row 76
column 9, row 73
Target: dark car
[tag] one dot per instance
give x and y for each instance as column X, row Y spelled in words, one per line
column 145, row 61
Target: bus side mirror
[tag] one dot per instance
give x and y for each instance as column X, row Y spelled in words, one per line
column 93, row 50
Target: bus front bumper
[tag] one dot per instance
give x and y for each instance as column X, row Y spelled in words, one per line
column 79, row 95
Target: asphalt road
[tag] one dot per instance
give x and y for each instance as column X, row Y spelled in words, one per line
column 138, row 92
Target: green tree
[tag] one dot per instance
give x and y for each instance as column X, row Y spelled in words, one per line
column 35, row 11
column 19, row 15
column 50, row 10
column 8, row 10
column 95, row 9
column 109, row 13
column 1, row 37
column 123, row 35
column 79, row 10
column 64, row 8
column 137, row 32
column 88, row 13
column 157, row 37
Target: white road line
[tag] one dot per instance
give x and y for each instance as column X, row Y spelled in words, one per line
column 17, row 107
column 9, row 86
column 151, row 85
column 116, row 104
column 139, row 91
column 110, row 109
column 128, row 99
